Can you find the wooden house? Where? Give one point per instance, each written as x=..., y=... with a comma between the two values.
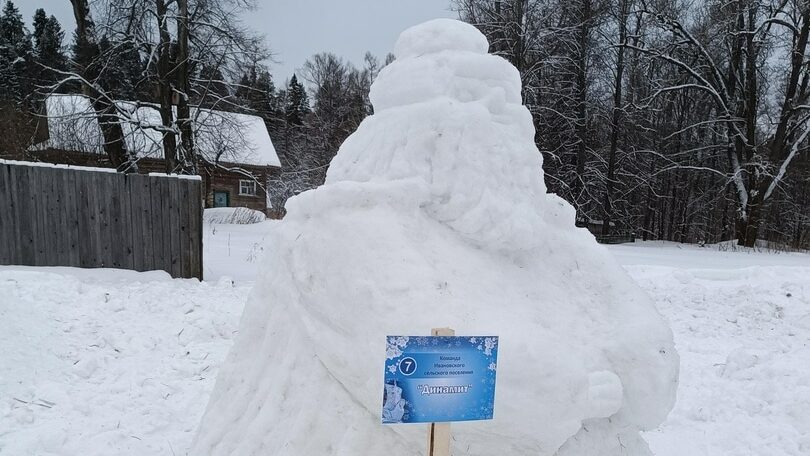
x=236, y=157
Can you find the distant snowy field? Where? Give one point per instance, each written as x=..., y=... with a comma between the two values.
x=108, y=362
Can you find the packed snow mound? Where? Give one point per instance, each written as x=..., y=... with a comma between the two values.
x=434, y=213
x=440, y=35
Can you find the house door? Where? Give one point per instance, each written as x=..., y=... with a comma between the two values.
x=221, y=199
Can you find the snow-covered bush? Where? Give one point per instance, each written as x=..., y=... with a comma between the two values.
x=434, y=213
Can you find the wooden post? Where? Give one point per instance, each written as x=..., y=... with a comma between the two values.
x=439, y=433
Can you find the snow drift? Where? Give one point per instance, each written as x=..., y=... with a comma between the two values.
x=233, y=216
x=434, y=213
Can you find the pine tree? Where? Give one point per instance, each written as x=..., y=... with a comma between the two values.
x=213, y=81
x=15, y=82
x=245, y=85
x=123, y=74
x=15, y=52
x=13, y=35
x=265, y=97
x=297, y=106
x=48, y=36
x=40, y=22
x=257, y=92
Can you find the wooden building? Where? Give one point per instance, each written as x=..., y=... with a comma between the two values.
x=236, y=157
x=616, y=236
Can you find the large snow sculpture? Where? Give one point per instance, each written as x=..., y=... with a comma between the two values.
x=434, y=213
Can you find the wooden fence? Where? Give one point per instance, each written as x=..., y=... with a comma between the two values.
x=57, y=216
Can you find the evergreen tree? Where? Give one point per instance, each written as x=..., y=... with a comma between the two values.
x=48, y=36
x=258, y=93
x=296, y=108
x=123, y=69
x=265, y=98
x=40, y=22
x=13, y=35
x=15, y=83
x=213, y=82
x=15, y=50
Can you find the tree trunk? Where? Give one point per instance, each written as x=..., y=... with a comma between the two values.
x=88, y=51
x=616, y=119
x=748, y=228
x=582, y=91
x=187, y=153
x=165, y=89
x=672, y=209
x=648, y=212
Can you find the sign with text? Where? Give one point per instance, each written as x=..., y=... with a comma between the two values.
x=432, y=379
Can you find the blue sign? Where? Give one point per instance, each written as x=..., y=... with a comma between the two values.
x=432, y=379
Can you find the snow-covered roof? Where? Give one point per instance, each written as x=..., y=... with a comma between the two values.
x=91, y=168
x=220, y=136
x=58, y=166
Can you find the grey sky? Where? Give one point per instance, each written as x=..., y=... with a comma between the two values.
x=297, y=29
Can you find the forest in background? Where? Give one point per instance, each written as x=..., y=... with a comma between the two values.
x=671, y=120
x=676, y=120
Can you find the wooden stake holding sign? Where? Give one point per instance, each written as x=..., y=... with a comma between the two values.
x=439, y=379
x=439, y=433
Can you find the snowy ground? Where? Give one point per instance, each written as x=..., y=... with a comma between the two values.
x=105, y=362
x=742, y=327
x=108, y=362
x=233, y=252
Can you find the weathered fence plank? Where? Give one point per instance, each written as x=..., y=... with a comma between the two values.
x=52, y=216
x=195, y=217
x=26, y=212
x=105, y=255
x=157, y=226
x=6, y=212
x=145, y=201
x=139, y=220
x=85, y=212
x=46, y=244
x=71, y=207
x=60, y=224
x=14, y=197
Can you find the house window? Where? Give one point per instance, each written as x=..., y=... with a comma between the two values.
x=247, y=187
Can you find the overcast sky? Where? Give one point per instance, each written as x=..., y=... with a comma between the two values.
x=297, y=29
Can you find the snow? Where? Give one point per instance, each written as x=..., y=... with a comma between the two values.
x=233, y=215
x=738, y=315
x=54, y=165
x=98, y=362
x=92, y=168
x=743, y=335
x=178, y=176
x=434, y=213
x=742, y=326
x=711, y=257
x=221, y=136
x=101, y=362
x=438, y=36
x=232, y=252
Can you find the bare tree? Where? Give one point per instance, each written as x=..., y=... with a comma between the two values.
x=90, y=68
x=762, y=139
x=661, y=117
x=193, y=52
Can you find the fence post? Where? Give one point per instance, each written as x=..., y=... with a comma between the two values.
x=439, y=433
